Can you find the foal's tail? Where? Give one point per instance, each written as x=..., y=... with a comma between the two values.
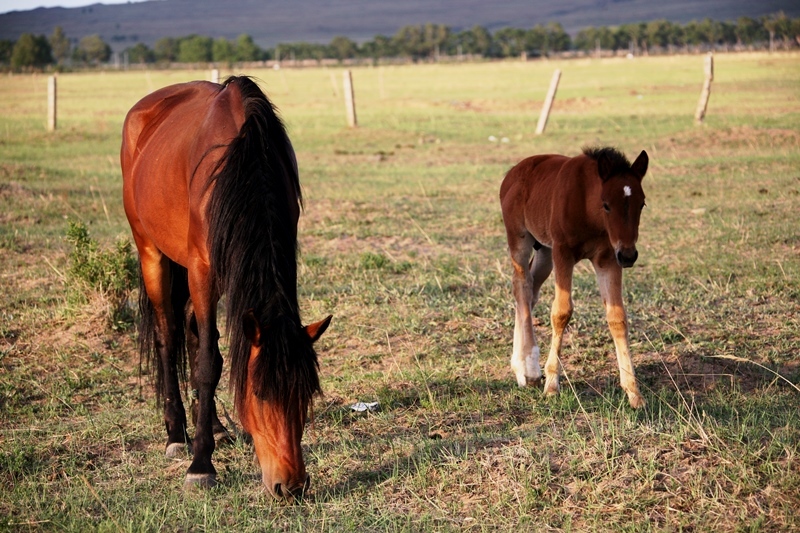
x=148, y=353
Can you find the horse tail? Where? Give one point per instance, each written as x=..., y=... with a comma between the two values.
x=148, y=355
x=252, y=237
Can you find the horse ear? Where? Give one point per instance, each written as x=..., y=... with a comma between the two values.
x=315, y=330
x=252, y=329
x=639, y=167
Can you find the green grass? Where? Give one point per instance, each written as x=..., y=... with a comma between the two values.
x=402, y=241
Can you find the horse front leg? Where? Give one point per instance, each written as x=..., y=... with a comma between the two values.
x=609, y=280
x=560, y=315
x=525, y=354
x=205, y=377
x=193, y=349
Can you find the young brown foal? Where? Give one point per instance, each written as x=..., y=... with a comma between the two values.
x=569, y=209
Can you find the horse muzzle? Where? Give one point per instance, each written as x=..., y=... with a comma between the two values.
x=627, y=257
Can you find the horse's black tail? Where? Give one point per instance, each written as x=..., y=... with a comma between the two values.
x=148, y=353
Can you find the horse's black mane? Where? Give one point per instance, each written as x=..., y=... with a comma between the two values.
x=614, y=160
x=253, y=248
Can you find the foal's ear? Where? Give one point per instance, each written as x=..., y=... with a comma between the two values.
x=315, y=330
x=252, y=329
x=639, y=167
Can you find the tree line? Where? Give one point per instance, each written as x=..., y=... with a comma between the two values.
x=417, y=42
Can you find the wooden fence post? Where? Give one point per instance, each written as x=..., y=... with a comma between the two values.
x=548, y=102
x=702, y=105
x=215, y=75
x=51, y=103
x=349, y=99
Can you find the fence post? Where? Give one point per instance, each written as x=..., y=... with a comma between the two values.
x=702, y=105
x=51, y=103
x=548, y=102
x=215, y=75
x=349, y=99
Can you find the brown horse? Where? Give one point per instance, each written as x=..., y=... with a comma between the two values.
x=212, y=195
x=569, y=209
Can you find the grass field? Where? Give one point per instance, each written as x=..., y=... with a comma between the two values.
x=402, y=242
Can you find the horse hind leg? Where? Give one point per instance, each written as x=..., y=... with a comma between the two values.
x=525, y=354
x=158, y=315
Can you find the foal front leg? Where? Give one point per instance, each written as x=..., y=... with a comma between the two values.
x=609, y=280
x=560, y=315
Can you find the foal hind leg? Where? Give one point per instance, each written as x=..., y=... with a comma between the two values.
x=525, y=355
x=609, y=280
x=560, y=315
x=192, y=347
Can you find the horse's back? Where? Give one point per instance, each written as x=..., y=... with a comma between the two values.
x=167, y=139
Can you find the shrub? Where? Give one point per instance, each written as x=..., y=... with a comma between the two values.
x=107, y=275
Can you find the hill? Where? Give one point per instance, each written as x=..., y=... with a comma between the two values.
x=271, y=22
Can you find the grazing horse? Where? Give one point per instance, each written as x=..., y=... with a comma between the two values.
x=569, y=209
x=212, y=195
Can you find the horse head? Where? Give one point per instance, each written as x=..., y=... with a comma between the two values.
x=623, y=200
x=282, y=379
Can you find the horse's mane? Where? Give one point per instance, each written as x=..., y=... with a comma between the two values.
x=253, y=250
x=614, y=160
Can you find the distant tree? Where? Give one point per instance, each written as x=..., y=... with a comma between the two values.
x=195, y=49
x=558, y=39
x=380, y=46
x=246, y=49
x=166, y=49
x=343, y=48
x=658, y=33
x=31, y=51
x=509, y=42
x=590, y=38
x=6, y=47
x=749, y=31
x=223, y=51
x=536, y=40
x=140, y=53
x=476, y=40
x=92, y=49
x=59, y=45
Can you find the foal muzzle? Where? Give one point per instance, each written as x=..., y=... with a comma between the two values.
x=626, y=258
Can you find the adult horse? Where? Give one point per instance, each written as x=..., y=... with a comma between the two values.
x=569, y=209
x=212, y=195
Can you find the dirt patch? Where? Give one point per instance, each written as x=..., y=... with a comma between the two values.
x=737, y=137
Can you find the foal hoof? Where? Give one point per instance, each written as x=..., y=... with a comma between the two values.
x=200, y=481
x=551, y=387
x=636, y=400
x=176, y=450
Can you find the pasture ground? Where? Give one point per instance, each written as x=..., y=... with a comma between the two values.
x=402, y=242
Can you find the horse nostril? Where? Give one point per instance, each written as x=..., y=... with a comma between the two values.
x=277, y=490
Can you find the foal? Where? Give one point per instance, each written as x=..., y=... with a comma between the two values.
x=568, y=209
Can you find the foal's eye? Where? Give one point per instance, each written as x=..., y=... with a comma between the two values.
x=606, y=208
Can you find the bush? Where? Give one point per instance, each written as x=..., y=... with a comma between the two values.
x=108, y=275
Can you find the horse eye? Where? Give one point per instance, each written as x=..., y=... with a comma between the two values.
x=606, y=208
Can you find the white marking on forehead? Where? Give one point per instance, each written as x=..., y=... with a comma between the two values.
x=626, y=190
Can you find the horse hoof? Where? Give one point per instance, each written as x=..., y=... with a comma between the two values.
x=176, y=450
x=636, y=400
x=200, y=481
